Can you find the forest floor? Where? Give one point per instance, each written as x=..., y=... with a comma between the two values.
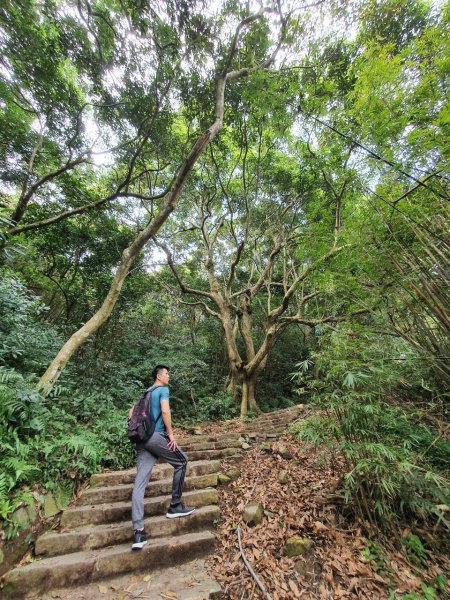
x=299, y=499
x=298, y=496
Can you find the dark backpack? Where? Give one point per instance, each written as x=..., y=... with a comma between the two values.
x=141, y=424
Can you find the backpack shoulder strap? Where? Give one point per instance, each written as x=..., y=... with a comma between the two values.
x=149, y=397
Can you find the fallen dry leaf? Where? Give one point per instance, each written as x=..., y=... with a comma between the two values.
x=335, y=566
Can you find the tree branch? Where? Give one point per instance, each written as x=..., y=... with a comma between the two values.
x=277, y=312
x=25, y=198
x=204, y=306
x=183, y=287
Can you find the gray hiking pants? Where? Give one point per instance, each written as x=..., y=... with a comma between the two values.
x=147, y=455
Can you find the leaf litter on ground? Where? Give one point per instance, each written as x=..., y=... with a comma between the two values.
x=299, y=505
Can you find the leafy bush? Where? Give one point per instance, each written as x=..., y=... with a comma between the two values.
x=58, y=440
x=395, y=464
x=44, y=441
x=27, y=342
x=218, y=407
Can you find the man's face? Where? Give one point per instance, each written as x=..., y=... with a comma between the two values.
x=163, y=377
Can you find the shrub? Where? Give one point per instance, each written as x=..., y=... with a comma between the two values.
x=218, y=407
x=395, y=464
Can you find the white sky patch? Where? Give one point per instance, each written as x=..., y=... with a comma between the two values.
x=36, y=126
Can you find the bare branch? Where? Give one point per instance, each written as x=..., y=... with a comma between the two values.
x=237, y=34
x=234, y=264
x=206, y=308
x=183, y=287
x=25, y=198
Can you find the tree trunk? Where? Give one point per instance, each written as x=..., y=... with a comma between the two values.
x=232, y=385
x=248, y=401
x=56, y=367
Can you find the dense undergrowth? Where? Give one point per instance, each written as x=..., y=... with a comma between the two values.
x=60, y=439
x=378, y=406
x=386, y=419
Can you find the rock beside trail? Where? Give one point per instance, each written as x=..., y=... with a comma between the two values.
x=297, y=546
x=253, y=513
x=283, y=477
x=284, y=452
x=223, y=479
x=233, y=473
x=50, y=506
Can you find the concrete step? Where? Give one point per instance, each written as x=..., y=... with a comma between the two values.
x=187, y=581
x=122, y=493
x=160, y=471
x=227, y=440
x=81, y=567
x=262, y=433
x=264, y=422
x=213, y=454
x=219, y=444
x=81, y=516
x=214, y=445
x=65, y=542
x=224, y=438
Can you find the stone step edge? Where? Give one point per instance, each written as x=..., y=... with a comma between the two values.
x=255, y=432
x=112, y=512
x=158, y=470
x=190, y=482
x=188, y=582
x=281, y=412
x=204, y=517
x=198, y=444
x=82, y=567
x=206, y=456
x=127, y=504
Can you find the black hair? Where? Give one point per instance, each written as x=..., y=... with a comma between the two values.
x=158, y=370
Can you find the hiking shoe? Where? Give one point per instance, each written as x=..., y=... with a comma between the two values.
x=139, y=540
x=179, y=510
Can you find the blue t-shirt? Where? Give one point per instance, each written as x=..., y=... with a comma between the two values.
x=160, y=392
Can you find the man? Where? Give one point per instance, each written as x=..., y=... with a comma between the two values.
x=162, y=445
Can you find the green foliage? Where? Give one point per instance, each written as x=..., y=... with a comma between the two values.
x=27, y=342
x=218, y=407
x=415, y=549
x=395, y=463
x=60, y=439
x=379, y=560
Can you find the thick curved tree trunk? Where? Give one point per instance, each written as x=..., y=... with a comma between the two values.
x=76, y=340
x=232, y=385
x=56, y=367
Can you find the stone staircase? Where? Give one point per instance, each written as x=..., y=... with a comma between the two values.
x=94, y=539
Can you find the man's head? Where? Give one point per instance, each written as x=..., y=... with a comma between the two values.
x=160, y=374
